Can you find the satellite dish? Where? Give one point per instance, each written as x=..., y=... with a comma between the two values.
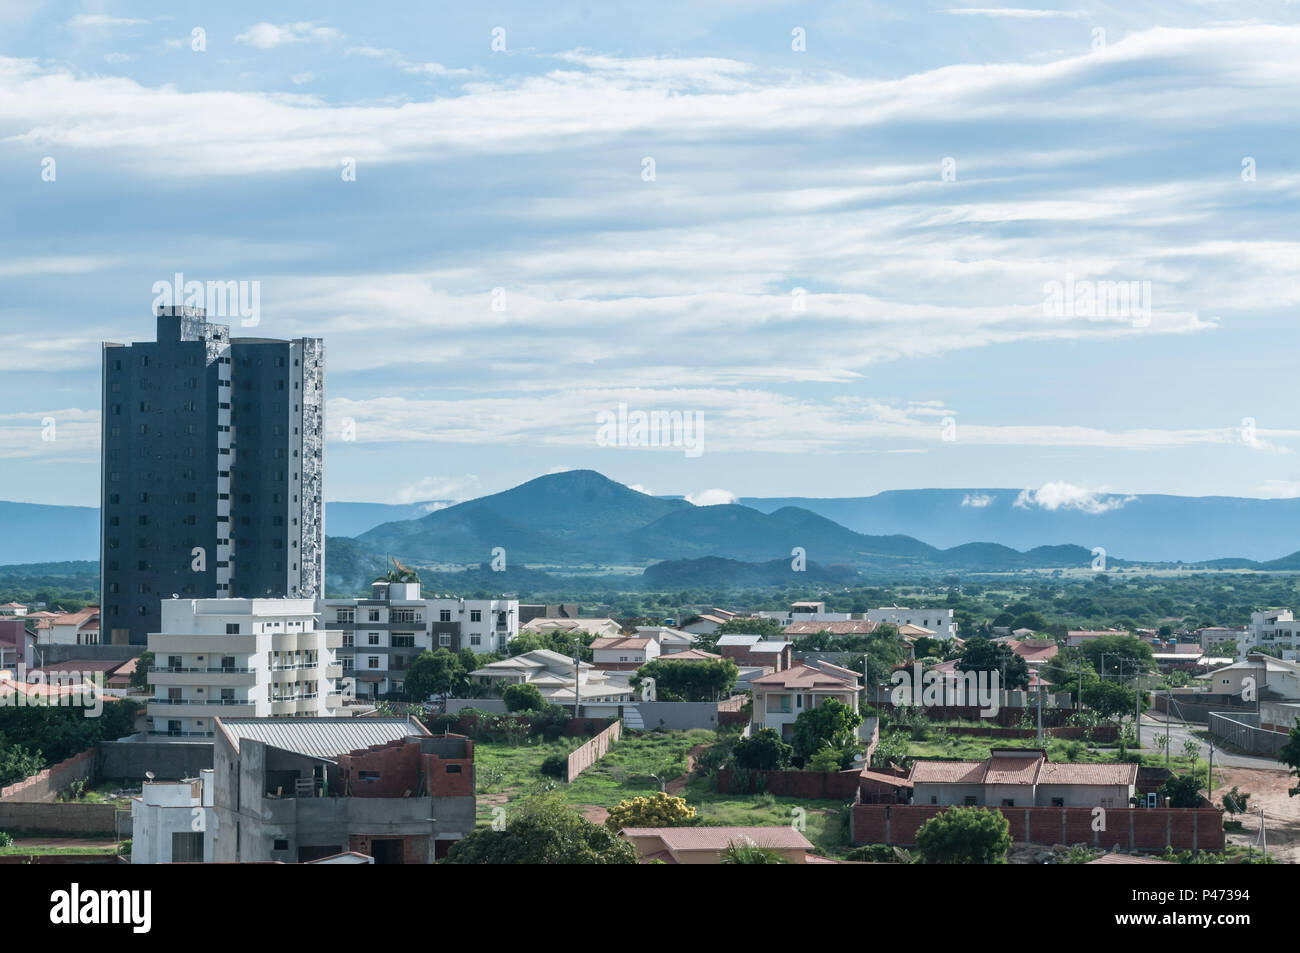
x=149, y=775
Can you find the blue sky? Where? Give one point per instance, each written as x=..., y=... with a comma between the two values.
x=1090, y=143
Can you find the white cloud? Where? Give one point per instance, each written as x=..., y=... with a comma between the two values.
x=439, y=488
x=977, y=500
x=641, y=489
x=714, y=497
x=102, y=21
x=1020, y=13
x=266, y=36
x=1067, y=496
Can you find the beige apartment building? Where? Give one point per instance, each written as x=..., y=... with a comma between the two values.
x=239, y=658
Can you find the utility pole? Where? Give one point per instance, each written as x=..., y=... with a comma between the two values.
x=1209, y=778
x=577, y=686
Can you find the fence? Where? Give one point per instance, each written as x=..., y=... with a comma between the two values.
x=47, y=784
x=1127, y=828
x=823, y=785
x=582, y=758
x=1241, y=729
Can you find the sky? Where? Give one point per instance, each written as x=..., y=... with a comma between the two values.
x=852, y=247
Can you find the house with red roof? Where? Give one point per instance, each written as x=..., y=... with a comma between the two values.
x=624, y=653
x=1022, y=777
x=781, y=697
x=705, y=845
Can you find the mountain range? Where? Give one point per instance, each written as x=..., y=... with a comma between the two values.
x=580, y=518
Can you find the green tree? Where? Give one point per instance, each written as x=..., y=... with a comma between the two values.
x=831, y=723
x=17, y=763
x=657, y=810
x=1182, y=790
x=434, y=673
x=523, y=697
x=981, y=655
x=1290, y=756
x=140, y=677
x=762, y=751
x=543, y=829
x=964, y=835
x=705, y=680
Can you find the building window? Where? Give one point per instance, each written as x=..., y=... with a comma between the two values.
x=475, y=615
x=232, y=628
x=444, y=615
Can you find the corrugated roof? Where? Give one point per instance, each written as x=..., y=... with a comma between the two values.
x=325, y=738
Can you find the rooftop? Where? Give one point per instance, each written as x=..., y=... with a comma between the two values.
x=324, y=738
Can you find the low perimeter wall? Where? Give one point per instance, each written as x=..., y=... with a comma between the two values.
x=823, y=785
x=46, y=785
x=1242, y=731
x=75, y=818
x=1127, y=828
x=582, y=758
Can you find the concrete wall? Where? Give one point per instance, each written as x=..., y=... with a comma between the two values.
x=75, y=818
x=1241, y=729
x=678, y=716
x=1128, y=828
x=129, y=760
x=46, y=785
x=1196, y=707
x=582, y=758
x=482, y=704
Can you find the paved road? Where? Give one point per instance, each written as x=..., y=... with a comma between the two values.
x=1180, y=732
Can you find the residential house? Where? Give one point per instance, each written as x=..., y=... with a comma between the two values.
x=17, y=644
x=670, y=640
x=71, y=628
x=1076, y=637
x=10, y=609
x=300, y=789
x=782, y=696
x=842, y=627
x=1274, y=679
x=709, y=622
x=705, y=845
x=173, y=822
x=552, y=673
x=1212, y=635
x=1272, y=628
x=754, y=650
x=939, y=620
x=623, y=653
x=1022, y=777
x=592, y=627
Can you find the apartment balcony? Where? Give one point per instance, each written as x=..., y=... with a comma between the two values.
x=201, y=708
x=203, y=677
x=334, y=700
x=334, y=671
x=333, y=639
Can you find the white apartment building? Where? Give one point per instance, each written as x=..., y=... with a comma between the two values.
x=250, y=658
x=940, y=621
x=172, y=821
x=379, y=637
x=1275, y=628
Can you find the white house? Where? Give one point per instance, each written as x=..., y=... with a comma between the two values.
x=1257, y=672
x=671, y=641
x=940, y=620
x=1273, y=628
x=239, y=658
x=173, y=822
x=552, y=673
x=71, y=628
x=594, y=627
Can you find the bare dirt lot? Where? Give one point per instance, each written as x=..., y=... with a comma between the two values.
x=1267, y=790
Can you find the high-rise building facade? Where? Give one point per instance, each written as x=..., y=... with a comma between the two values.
x=212, y=461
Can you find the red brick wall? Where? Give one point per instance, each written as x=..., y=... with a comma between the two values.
x=415, y=848
x=400, y=764
x=1128, y=828
x=825, y=785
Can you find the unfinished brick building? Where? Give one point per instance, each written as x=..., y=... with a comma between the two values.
x=299, y=789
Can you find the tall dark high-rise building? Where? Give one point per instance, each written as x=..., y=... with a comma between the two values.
x=212, y=463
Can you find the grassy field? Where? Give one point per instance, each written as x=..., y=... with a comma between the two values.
x=637, y=765
x=975, y=748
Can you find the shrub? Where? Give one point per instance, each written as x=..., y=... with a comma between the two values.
x=965, y=835
x=827, y=759
x=762, y=751
x=658, y=810
x=555, y=766
x=524, y=697
x=6, y=839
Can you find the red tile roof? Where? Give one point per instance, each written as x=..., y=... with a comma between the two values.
x=1003, y=768
x=804, y=676
x=619, y=642
x=718, y=838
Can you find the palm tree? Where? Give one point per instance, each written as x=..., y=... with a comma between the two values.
x=747, y=852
